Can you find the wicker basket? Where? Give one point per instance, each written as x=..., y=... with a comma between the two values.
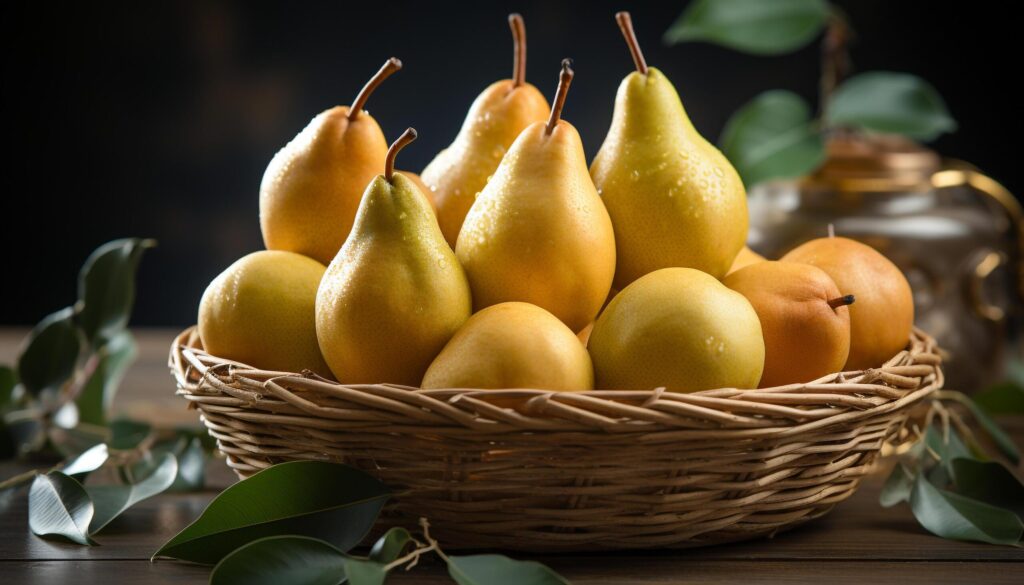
x=572, y=471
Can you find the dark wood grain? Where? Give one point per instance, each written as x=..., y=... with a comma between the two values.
x=859, y=542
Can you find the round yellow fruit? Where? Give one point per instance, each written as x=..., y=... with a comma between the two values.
x=680, y=329
x=260, y=311
x=512, y=345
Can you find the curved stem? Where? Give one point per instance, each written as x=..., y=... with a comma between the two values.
x=515, y=21
x=389, y=163
x=389, y=67
x=626, y=26
x=563, y=88
x=841, y=301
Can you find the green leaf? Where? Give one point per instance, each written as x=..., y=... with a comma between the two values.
x=191, y=463
x=281, y=559
x=127, y=434
x=49, y=358
x=992, y=428
x=500, y=570
x=957, y=517
x=1003, y=398
x=96, y=397
x=890, y=102
x=772, y=136
x=87, y=462
x=390, y=546
x=989, y=482
x=752, y=26
x=111, y=500
x=897, y=487
x=8, y=381
x=329, y=501
x=59, y=506
x=364, y=572
x=106, y=288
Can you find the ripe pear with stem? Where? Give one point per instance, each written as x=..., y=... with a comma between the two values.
x=395, y=294
x=312, y=187
x=538, y=232
x=494, y=121
x=674, y=199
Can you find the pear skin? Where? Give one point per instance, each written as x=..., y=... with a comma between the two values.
x=674, y=199
x=311, y=190
x=395, y=294
x=496, y=118
x=538, y=232
x=745, y=258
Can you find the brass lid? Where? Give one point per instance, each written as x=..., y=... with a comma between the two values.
x=875, y=162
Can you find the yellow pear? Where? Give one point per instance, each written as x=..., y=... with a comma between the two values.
x=883, y=316
x=539, y=233
x=312, y=187
x=422, y=187
x=804, y=318
x=495, y=119
x=395, y=294
x=680, y=329
x=260, y=311
x=673, y=197
x=512, y=345
x=745, y=258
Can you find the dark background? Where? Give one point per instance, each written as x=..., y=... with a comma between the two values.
x=158, y=120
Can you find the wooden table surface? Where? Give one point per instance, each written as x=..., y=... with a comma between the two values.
x=859, y=542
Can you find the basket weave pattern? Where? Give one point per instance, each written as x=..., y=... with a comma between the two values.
x=537, y=470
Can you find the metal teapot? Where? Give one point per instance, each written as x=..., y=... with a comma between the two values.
x=955, y=233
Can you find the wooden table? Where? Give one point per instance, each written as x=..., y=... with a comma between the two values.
x=859, y=542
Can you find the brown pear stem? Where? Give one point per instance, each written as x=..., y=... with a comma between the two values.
x=515, y=20
x=563, y=89
x=389, y=67
x=841, y=301
x=626, y=25
x=389, y=162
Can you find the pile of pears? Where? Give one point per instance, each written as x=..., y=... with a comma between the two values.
x=509, y=263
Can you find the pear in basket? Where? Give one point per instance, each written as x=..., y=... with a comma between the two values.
x=805, y=319
x=260, y=311
x=680, y=329
x=512, y=345
x=395, y=294
x=883, y=316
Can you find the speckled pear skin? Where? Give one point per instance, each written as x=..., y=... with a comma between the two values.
x=674, y=199
x=458, y=173
x=312, y=187
x=538, y=232
x=395, y=294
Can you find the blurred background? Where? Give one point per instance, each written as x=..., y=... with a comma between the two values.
x=157, y=119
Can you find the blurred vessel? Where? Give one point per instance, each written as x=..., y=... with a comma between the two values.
x=955, y=233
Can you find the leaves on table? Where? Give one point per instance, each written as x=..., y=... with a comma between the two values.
x=329, y=501
x=191, y=456
x=885, y=101
x=989, y=482
x=110, y=501
x=106, y=288
x=51, y=353
x=390, y=546
x=897, y=487
x=752, y=26
x=98, y=393
x=951, y=515
x=59, y=506
x=89, y=461
x=364, y=571
x=500, y=570
x=281, y=559
x=127, y=434
x=1002, y=398
x=1003, y=441
x=772, y=137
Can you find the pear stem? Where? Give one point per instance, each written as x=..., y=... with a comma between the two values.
x=626, y=25
x=389, y=67
x=515, y=21
x=564, y=80
x=841, y=301
x=389, y=163
x=831, y=230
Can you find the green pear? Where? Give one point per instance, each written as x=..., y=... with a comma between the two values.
x=395, y=294
x=674, y=199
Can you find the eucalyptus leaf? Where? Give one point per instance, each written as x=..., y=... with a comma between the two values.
x=127, y=434
x=8, y=382
x=1003, y=398
x=59, y=506
x=897, y=487
x=390, y=546
x=281, y=559
x=106, y=288
x=947, y=447
x=191, y=458
x=958, y=517
x=89, y=461
x=884, y=101
x=989, y=482
x=364, y=572
x=992, y=428
x=773, y=136
x=111, y=500
x=329, y=501
x=51, y=353
x=500, y=570
x=752, y=26
x=98, y=393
